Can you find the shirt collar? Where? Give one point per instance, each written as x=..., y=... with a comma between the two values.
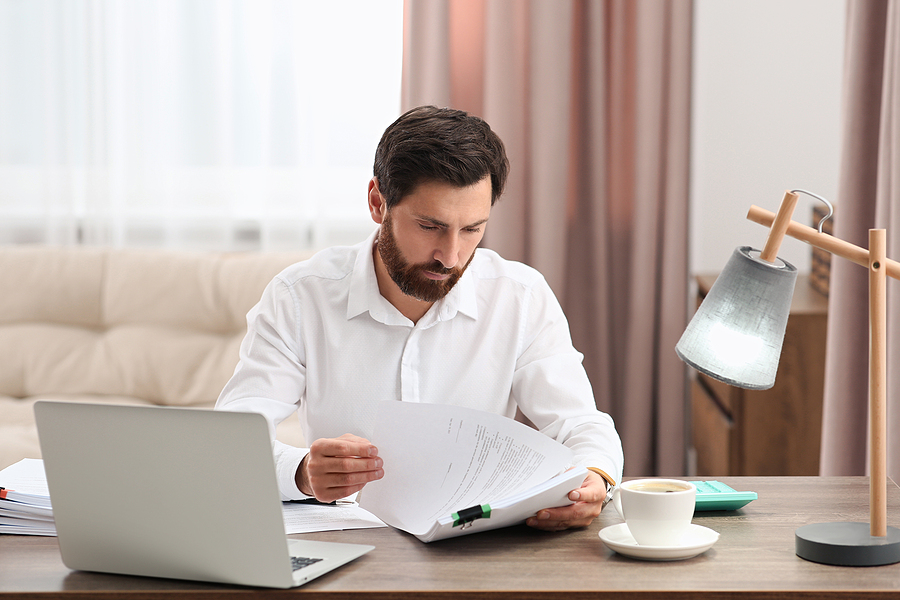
x=365, y=297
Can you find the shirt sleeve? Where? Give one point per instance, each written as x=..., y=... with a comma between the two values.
x=552, y=389
x=270, y=377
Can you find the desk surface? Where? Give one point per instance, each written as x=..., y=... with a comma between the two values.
x=754, y=558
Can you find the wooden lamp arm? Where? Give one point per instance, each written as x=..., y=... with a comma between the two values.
x=779, y=227
x=824, y=241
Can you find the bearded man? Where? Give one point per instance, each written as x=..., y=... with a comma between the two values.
x=419, y=313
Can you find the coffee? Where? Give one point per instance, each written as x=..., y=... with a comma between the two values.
x=658, y=487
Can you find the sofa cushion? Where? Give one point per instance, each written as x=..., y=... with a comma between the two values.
x=161, y=326
x=99, y=324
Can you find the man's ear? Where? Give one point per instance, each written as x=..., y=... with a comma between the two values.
x=377, y=203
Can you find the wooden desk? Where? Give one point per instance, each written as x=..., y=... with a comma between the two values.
x=754, y=558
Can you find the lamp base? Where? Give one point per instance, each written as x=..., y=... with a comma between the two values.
x=847, y=544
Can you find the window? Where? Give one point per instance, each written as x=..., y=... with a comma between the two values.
x=193, y=123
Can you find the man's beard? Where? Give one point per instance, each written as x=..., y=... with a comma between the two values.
x=411, y=278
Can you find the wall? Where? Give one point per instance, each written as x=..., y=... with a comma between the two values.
x=766, y=118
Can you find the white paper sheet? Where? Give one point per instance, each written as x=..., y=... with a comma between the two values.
x=439, y=459
x=27, y=477
x=309, y=518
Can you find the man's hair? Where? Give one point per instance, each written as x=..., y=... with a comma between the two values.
x=438, y=144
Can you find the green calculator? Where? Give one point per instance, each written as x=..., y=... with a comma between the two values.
x=715, y=495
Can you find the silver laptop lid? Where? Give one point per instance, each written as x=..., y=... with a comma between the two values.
x=164, y=492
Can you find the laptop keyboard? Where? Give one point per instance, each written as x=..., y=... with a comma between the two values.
x=298, y=562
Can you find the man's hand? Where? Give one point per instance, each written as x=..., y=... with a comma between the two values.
x=338, y=467
x=588, y=502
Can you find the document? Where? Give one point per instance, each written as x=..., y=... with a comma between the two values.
x=25, y=500
x=452, y=471
x=25, y=481
x=308, y=518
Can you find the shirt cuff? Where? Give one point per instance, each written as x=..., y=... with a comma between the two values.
x=287, y=461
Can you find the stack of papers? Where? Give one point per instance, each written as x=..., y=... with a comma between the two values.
x=25, y=500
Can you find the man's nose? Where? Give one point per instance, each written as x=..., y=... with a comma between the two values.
x=448, y=251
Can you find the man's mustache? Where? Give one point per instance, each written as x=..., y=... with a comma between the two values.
x=439, y=269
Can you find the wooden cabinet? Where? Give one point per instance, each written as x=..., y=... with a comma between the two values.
x=768, y=432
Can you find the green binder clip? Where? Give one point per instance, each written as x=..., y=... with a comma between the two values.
x=466, y=517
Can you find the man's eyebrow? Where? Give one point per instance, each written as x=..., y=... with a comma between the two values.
x=439, y=223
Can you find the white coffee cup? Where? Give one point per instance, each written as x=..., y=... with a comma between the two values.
x=658, y=512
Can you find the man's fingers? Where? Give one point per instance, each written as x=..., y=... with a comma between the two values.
x=549, y=521
x=345, y=464
x=343, y=446
x=358, y=446
x=332, y=487
x=345, y=471
x=574, y=513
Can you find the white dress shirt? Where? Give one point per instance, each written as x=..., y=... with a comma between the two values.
x=324, y=342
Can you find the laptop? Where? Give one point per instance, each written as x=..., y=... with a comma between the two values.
x=173, y=492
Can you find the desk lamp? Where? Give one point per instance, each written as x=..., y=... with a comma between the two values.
x=736, y=337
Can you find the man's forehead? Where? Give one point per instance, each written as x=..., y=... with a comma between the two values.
x=447, y=204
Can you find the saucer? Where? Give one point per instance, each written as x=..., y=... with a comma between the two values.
x=697, y=540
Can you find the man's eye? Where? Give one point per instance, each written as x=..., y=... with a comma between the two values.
x=473, y=229
x=427, y=227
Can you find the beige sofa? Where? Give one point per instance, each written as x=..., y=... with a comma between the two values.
x=121, y=326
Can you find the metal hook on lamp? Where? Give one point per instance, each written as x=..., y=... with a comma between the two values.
x=826, y=202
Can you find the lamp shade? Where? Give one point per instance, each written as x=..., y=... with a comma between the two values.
x=737, y=333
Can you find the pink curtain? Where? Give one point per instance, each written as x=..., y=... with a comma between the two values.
x=869, y=197
x=592, y=99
